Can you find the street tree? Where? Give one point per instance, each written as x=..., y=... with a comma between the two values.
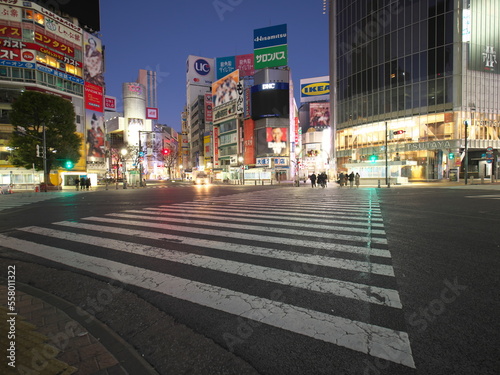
x=37, y=117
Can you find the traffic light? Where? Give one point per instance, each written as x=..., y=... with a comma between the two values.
x=451, y=156
x=166, y=151
x=38, y=151
x=398, y=132
x=373, y=158
x=68, y=164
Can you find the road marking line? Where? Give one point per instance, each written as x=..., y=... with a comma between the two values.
x=212, y=212
x=246, y=236
x=370, y=339
x=366, y=293
x=301, y=233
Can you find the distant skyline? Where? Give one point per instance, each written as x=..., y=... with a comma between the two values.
x=159, y=36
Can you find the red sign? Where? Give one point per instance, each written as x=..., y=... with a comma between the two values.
x=110, y=103
x=10, y=32
x=248, y=142
x=216, y=147
x=244, y=63
x=94, y=97
x=152, y=113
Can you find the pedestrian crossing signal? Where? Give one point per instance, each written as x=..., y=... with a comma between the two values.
x=166, y=151
x=68, y=164
x=373, y=158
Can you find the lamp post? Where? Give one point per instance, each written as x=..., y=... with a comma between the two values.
x=124, y=152
x=242, y=166
x=387, y=178
x=466, y=148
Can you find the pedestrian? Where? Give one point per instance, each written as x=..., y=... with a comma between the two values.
x=87, y=183
x=341, y=179
x=82, y=183
x=357, y=177
x=313, y=180
x=77, y=183
x=351, y=179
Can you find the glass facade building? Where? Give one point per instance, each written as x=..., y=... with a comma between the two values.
x=411, y=76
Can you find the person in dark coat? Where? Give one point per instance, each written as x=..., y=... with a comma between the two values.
x=82, y=183
x=313, y=180
x=87, y=183
x=77, y=183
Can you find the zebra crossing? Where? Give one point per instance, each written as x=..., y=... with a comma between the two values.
x=266, y=238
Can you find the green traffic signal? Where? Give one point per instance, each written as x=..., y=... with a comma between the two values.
x=373, y=158
x=68, y=164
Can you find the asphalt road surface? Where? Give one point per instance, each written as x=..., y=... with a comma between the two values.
x=286, y=280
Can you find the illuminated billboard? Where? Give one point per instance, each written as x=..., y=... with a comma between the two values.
x=270, y=47
x=314, y=89
x=200, y=70
x=483, y=34
x=272, y=141
x=226, y=65
x=270, y=100
x=93, y=60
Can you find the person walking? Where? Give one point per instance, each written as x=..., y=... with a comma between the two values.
x=87, y=183
x=357, y=177
x=77, y=183
x=313, y=180
x=351, y=180
x=82, y=183
x=341, y=179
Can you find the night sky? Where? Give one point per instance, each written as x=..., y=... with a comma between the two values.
x=159, y=35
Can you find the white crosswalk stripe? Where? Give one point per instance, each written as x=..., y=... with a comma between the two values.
x=331, y=235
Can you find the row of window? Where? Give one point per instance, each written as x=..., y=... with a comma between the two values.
x=33, y=76
x=435, y=63
x=418, y=95
x=366, y=52
x=393, y=15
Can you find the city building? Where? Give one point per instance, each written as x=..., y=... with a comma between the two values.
x=53, y=49
x=417, y=88
x=314, y=155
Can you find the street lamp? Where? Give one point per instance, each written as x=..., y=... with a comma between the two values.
x=124, y=152
x=242, y=166
x=466, y=152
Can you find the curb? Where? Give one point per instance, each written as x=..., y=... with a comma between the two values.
x=127, y=356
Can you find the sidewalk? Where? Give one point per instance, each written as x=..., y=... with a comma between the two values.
x=52, y=336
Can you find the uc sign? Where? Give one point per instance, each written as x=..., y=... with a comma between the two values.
x=202, y=67
x=318, y=88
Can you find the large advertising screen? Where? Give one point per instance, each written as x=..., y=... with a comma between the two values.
x=484, y=36
x=270, y=100
x=272, y=141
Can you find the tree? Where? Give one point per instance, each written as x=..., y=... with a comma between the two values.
x=32, y=114
x=170, y=159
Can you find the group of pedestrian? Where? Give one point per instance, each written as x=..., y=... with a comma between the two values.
x=82, y=183
x=349, y=179
x=321, y=179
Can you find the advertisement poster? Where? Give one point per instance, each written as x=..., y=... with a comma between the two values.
x=95, y=134
x=272, y=141
x=319, y=115
x=225, y=90
x=93, y=60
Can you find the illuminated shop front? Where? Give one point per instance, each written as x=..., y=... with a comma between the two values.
x=411, y=78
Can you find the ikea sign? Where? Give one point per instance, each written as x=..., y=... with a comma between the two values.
x=315, y=89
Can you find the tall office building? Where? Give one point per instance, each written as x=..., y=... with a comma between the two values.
x=417, y=83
